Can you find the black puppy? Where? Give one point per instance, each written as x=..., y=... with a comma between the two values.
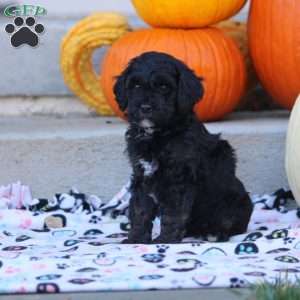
x=180, y=171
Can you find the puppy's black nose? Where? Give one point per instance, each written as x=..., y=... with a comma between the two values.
x=146, y=109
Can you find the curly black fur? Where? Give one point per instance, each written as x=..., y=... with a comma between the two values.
x=180, y=170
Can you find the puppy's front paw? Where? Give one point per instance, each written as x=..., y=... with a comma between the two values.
x=221, y=237
x=127, y=241
x=166, y=240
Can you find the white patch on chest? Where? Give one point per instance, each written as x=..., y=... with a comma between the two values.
x=149, y=167
x=153, y=198
x=147, y=125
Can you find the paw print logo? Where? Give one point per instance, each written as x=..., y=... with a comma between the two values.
x=24, y=32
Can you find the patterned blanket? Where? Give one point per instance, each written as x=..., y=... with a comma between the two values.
x=71, y=243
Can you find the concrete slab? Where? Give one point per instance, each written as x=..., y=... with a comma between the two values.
x=195, y=294
x=43, y=106
x=52, y=154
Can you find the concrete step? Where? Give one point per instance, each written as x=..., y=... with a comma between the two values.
x=52, y=154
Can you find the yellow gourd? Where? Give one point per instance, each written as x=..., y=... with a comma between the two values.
x=292, y=157
x=95, y=31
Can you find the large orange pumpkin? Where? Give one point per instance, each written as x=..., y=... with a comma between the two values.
x=186, y=14
x=274, y=37
x=209, y=52
x=238, y=32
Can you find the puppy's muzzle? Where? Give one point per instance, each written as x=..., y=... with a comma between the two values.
x=145, y=110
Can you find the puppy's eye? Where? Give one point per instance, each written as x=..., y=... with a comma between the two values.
x=163, y=86
x=137, y=86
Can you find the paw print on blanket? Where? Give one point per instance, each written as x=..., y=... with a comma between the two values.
x=162, y=248
x=24, y=32
x=246, y=248
x=237, y=283
x=95, y=219
x=153, y=258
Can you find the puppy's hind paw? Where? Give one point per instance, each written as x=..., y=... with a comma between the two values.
x=135, y=241
x=216, y=238
x=211, y=238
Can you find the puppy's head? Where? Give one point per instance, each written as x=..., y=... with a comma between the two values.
x=155, y=89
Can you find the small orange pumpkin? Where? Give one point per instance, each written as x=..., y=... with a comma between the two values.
x=209, y=52
x=186, y=14
x=274, y=40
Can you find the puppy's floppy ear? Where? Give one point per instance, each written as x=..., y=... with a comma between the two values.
x=120, y=90
x=190, y=89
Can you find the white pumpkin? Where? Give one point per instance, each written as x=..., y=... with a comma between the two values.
x=292, y=156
